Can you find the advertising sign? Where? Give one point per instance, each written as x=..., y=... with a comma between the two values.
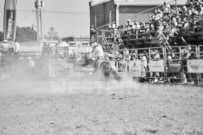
x=10, y=19
x=174, y=66
x=195, y=66
x=135, y=68
x=156, y=66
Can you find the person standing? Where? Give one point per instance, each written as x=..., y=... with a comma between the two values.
x=5, y=48
x=186, y=54
x=92, y=34
x=31, y=63
x=143, y=59
x=17, y=47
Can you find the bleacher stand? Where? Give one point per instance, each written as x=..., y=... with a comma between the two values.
x=170, y=26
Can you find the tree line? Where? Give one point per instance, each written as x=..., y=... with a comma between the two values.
x=24, y=34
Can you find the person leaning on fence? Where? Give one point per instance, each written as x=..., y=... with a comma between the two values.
x=143, y=59
x=157, y=55
x=133, y=55
x=1, y=67
x=186, y=54
x=193, y=77
x=92, y=33
x=151, y=54
x=126, y=54
x=30, y=65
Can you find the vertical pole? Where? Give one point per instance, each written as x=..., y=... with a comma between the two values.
x=117, y=14
x=37, y=17
x=165, y=63
x=40, y=24
x=176, y=6
x=38, y=5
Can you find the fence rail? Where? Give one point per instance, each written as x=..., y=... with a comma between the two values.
x=173, y=69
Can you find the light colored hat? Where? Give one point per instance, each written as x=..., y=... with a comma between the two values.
x=189, y=47
x=156, y=51
x=109, y=26
x=5, y=41
x=113, y=25
x=94, y=44
x=128, y=20
x=29, y=58
x=141, y=54
x=21, y=58
x=169, y=57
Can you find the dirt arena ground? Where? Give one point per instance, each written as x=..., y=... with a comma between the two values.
x=33, y=109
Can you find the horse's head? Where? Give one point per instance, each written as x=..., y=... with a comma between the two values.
x=105, y=67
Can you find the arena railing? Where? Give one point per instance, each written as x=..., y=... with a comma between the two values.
x=175, y=70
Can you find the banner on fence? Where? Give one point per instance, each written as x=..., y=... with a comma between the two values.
x=58, y=86
x=195, y=66
x=174, y=66
x=156, y=66
x=122, y=66
x=9, y=23
x=135, y=68
x=57, y=65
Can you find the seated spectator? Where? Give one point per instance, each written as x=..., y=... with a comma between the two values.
x=126, y=54
x=174, y=21
x=134, y=55
x=152, y=54
x=169, y=58
x=133, y=27
x=129, y=27
x=157, y=55
x=173, y=32
x=121, y=29
x=185, y=24
x=166, y=9
x=184, y=9
x=186, y=52
x=137, y=26
x=159, y=13
x=201, y=10
x=114, y=26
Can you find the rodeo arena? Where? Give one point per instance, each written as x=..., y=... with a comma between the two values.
x=140, y=72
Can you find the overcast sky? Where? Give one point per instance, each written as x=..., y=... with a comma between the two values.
x=73, y=22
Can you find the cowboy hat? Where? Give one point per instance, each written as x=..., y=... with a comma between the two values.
x=5, y=41
x=94, y=44
x=29, y=58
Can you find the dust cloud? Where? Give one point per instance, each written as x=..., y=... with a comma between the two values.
x=25, y=82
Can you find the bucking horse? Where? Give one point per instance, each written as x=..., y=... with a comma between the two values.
x=103, y=67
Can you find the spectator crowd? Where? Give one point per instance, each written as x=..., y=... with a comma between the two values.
x=167, y=20
x=166, y=24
